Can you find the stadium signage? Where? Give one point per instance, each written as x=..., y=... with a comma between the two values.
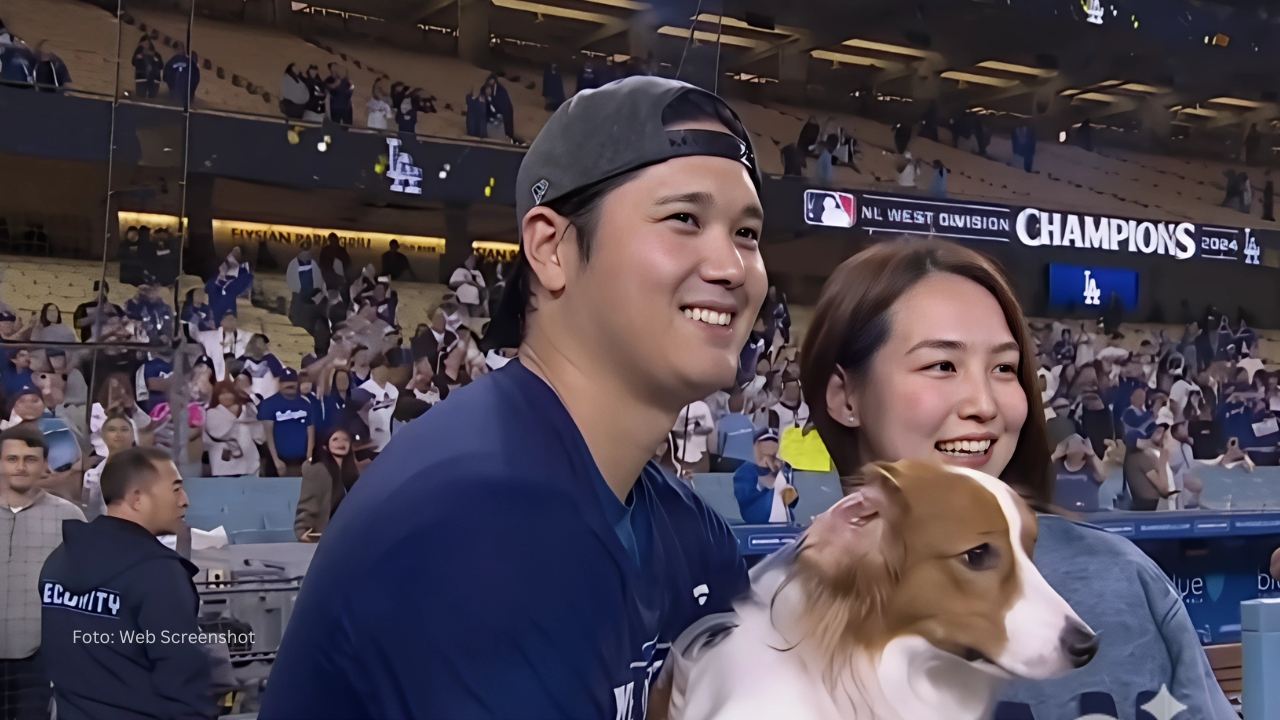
x=495, y=251
x=1037, y=228
x=405, y=177
x=915, y=216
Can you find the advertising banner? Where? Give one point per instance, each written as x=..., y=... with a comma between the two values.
x=1031, y=228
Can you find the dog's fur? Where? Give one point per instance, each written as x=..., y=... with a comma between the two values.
x=913, y=598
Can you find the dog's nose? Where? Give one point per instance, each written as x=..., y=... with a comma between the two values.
x=1079, y=643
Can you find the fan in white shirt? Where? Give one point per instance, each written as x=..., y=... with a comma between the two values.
x=692, y=427
x=468, y=284
x=380, y=409
x=228, y=341
x=790, y=411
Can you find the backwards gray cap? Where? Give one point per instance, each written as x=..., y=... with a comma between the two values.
x=598, y=135
x=602, y=133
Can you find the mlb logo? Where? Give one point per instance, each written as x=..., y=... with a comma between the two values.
x=829, y=208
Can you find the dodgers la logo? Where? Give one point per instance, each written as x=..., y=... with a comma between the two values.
x=1092, y=295
x=1252, y=251
x=1095, y=11
x=405, y=177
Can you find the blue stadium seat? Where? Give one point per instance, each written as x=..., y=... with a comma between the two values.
x=818, y=491
x=717, y=490
x=243, y=503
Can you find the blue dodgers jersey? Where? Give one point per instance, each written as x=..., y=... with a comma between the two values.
x=474, y=572
x=292, y=417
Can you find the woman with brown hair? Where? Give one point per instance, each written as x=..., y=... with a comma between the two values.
x=919, y=350
x=232, y=432
x=326, y=480
x=115, y=394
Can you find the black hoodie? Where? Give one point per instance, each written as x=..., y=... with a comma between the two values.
x=110, y=579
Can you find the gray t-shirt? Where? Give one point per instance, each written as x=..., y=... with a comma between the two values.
x=1146, y=638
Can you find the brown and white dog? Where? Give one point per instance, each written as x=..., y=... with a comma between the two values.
x=913, y=598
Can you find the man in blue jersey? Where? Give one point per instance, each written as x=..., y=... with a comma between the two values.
x=514, y=553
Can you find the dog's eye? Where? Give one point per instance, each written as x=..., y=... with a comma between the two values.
x=982, y=557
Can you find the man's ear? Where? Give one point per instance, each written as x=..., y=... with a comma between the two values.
x=542, y=233
x=842, y=399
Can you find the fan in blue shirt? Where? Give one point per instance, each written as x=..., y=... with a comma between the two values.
x=16, y=374
x=515, y=553
x=156, y=374
x=290, y=425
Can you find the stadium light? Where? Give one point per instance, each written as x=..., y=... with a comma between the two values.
x=886, y=48
x=847, y=59
x=1016, y=68
x=703, y=36
x=960, y=76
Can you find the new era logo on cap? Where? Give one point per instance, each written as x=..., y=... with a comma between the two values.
x=540, y=190
x=829, y=208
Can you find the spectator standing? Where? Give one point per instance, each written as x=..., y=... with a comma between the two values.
x=17, y=65
x=264, y=369
x=182, y=75
x=334, y=263
x=1145, y=470
x=435, y=342
x=326, y=479
x=1252, y=145
x=908, y=171
x=763, y=485
x=1079, y=475
x=155, y=381
x=232, y=432
x=552, y=87
x=395, y=264
x=822, y=169
x=87, y=314
x=587, y=78
x=51, y=72
x=16, y=373
x=318, y=95
x=501, y=111
x=340, y=90
x=233, y=280
x=295, y=93
x=467, y=283
x=118, y=434
x=377, y=402
x=692, y=427
x=148, y=67
x=112, y=576
x=31, y=528
x=1084, y=135
x=1246, y=194
x=289, y=426
x=114, y=395
x=305, y=281
x=902, y=137
x=406, y=110
x=938, y=185
x=378, y=112
x=152, y=314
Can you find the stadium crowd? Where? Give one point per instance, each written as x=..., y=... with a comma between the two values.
x=1157, y=413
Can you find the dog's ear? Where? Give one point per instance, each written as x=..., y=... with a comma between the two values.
x=854, y=542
